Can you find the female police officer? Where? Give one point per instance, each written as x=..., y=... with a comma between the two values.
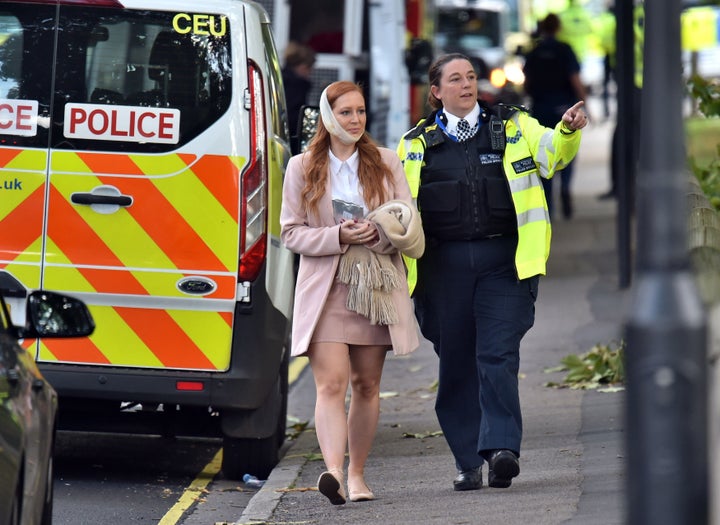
x=475, y=172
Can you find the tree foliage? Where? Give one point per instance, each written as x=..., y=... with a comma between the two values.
x=706, y=93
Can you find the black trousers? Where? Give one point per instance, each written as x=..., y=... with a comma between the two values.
x=471, y=306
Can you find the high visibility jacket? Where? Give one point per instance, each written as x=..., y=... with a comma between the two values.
x=605, y=28
x=639, y=41
x=532, y=151
x=576, y=29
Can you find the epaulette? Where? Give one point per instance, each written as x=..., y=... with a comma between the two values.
x=433, y=136
x=505, y=111
x=429, y=130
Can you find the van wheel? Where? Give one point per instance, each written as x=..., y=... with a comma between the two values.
x=258, y=456
x=249, y=456
x=284, y=390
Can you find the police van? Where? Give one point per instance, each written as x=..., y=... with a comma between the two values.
x=142, y=150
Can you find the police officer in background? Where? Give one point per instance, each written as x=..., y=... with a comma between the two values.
x=475, y=172
x=576, y=28
x=552, y=81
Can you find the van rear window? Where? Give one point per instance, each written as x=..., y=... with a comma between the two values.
x=124, y=80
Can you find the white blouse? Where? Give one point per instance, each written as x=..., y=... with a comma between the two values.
x=344, y=180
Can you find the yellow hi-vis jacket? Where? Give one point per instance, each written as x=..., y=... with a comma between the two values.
x=528, y=143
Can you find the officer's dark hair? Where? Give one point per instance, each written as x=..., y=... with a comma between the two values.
x=550, y=25
x=435, y=73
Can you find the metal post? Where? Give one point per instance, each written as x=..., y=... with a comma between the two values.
x=666, y=331
x=624, y=157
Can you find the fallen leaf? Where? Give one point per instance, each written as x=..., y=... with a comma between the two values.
x=423, y=435
x=385, y=395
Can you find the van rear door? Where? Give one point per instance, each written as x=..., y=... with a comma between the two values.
x=142, y=202
x=26, y=38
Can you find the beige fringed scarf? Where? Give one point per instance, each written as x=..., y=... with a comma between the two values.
x=371, y=277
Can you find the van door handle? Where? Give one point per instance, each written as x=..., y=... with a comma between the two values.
x=89, y=199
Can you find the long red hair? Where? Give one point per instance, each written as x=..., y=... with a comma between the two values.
x=372, y=171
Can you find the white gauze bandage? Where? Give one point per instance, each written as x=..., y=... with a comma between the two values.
x=331, y=123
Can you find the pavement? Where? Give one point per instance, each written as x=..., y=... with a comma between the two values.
x=572, y=462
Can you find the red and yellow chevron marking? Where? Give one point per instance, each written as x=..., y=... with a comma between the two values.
x=183, y=222
x=182, y=216
x=145, y=338
x=23, y=159
x=22, y=196
x=22, y=187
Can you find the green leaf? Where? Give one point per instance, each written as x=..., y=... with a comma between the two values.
x=602, y=365
x=560, y=368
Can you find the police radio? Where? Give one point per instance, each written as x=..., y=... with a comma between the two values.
x=497, y=133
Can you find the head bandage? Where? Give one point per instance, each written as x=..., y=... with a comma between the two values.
x=331, y=123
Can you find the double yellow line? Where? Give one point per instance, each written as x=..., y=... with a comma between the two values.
x=198, y=485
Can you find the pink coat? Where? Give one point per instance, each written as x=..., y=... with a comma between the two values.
x=317, y=240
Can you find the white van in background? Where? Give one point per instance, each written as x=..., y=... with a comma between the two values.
x=142, y=150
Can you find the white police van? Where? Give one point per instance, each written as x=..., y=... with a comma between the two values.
x=142, y=150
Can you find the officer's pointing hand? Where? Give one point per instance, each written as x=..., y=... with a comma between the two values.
x=575, y=117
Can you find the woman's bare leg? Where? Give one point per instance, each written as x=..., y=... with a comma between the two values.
x=366, y=364
x=330, y=364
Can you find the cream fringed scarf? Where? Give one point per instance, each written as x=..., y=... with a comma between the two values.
x=371, y=277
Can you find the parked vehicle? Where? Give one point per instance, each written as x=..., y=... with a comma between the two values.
x=483, y=30
x=142, y=150
x=28, y=403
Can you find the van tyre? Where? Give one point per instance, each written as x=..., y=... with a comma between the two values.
x=258, y=456
x=249, y=456
x=284, y=390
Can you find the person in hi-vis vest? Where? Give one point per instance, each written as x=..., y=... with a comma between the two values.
x=475, y=171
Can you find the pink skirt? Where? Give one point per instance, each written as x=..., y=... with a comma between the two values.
x=337, y=324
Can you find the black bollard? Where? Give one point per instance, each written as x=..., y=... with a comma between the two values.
x=624, y=145
x=666, y=327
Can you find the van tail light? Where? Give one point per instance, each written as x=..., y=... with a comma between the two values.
x=254, y=182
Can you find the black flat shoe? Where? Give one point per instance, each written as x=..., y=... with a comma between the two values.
x=330, y=485
x=504, y=466
x=468, y=480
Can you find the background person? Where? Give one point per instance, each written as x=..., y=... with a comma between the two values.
x=299, y=62
x=475, y=172
x=552, y=81
x=342, y=173
x=605, y=28
x=576, y=28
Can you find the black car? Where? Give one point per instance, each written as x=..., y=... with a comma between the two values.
x=28, y=404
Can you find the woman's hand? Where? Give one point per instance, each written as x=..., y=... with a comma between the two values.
x=358, y=232
x=575, y=118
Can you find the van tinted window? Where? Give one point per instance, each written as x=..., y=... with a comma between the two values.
x=125, y=80
x=26, y=43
